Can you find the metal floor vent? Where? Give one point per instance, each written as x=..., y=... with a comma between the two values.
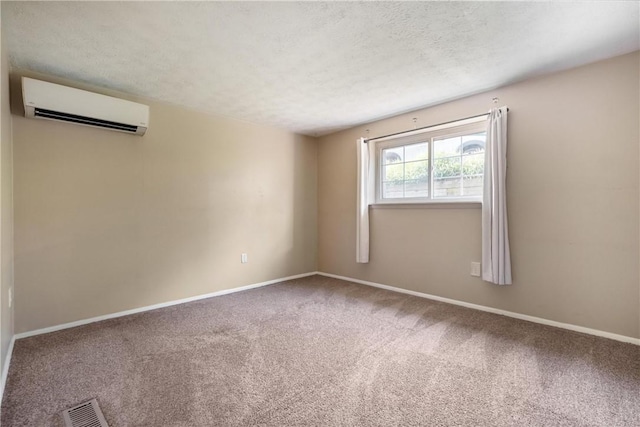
x=87, y=414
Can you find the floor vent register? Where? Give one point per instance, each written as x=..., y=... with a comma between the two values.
x=87, y=414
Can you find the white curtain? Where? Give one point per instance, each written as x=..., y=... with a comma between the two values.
x=366, y=196
x=496, y=259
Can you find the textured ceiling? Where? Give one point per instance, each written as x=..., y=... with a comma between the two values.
x=312, y=67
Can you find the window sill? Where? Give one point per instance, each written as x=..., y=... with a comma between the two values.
x=450, y=204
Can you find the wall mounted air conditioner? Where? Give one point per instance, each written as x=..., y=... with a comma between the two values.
x=50, y=101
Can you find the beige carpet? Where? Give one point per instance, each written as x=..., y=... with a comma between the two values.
x=324, y=352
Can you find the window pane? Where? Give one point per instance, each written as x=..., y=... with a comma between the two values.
x=393, y=172
x=417, y=170
x=416, y=187
x=446, y=187
x=392, y=155
x=416, y=152
x=447, y=147
x=472, y=186
x=392, y=189
x=473, y=164
x=472, y=144
x=447, y=167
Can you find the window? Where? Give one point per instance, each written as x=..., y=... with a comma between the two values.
x=438, y=164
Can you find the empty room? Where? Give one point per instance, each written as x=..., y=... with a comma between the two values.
x=320, y=213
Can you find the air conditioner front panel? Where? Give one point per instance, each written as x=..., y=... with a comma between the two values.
x=64, y=103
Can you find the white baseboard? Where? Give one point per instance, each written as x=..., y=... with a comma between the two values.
x=5, y=367
x=533, y=319
x=156, y=306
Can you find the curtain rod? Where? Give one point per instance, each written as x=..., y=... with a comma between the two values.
x=426, y=127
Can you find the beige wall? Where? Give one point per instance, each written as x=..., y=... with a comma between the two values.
x=6, y=211
x=572, y=198
x=106, y=221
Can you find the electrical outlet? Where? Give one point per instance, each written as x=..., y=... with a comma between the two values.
x=244, y=258
x=475, y=269
x=11, y=297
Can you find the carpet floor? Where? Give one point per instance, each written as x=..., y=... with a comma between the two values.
x=324, y=352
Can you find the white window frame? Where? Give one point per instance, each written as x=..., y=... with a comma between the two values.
x=459, y=128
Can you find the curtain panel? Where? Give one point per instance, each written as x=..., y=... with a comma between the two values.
x=366, y=196
x=496, y=257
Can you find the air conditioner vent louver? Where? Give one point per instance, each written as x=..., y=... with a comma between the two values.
x=50, y=101
x=86, y=414
x=48, y=114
